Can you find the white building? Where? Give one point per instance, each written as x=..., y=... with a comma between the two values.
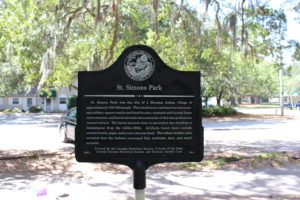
x=56, y=101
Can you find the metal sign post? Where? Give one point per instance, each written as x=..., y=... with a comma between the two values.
x=139, y=180
x=139, y=194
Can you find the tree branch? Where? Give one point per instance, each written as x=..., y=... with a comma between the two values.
x=115, y=7
x=220, y=32
x=243, y=26
x=154, y=8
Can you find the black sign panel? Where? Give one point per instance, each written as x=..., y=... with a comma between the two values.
x=139, y=109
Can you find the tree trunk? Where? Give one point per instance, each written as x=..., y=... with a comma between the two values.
x=233, y=101
x=258, y=100
x=218, y=101
x=240, y=100
x=252, y=99
x=219, y=98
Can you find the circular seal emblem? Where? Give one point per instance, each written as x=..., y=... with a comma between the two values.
x=139, y=65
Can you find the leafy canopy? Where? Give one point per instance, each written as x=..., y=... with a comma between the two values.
x=45, y=43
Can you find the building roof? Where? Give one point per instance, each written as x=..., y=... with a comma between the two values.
x=26, y=92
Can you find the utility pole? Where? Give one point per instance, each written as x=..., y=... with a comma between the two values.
x=280, y=71
x=281, y=90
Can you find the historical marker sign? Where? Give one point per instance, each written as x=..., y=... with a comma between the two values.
x=139, y=109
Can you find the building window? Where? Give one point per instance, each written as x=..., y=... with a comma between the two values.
x=15, y=101
x=62, y=100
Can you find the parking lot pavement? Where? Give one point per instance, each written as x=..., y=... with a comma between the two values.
x=270, y=111
x=26, y=132
x=253, y=136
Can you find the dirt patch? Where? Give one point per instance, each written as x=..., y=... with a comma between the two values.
x=236, y=161
x=41, y=162
x=65, y=163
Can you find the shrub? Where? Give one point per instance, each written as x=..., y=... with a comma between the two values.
x=208, y=111
x=218, y=110
x=35, y=109
x=229, y=110
x=13, y=110
x=72, y=102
